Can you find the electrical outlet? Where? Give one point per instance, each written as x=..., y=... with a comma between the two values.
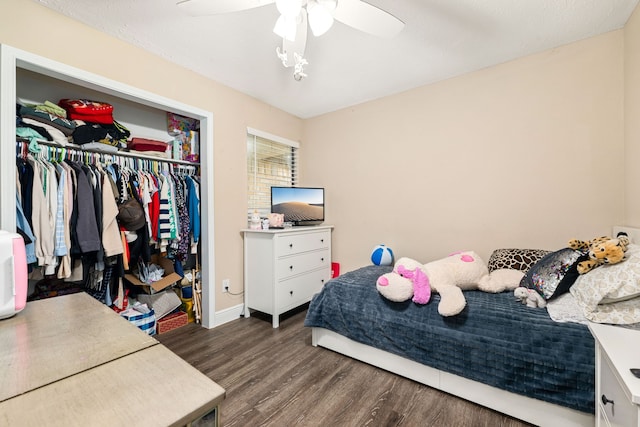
x=225, y=285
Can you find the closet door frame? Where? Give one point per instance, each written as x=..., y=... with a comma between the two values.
x=12, y=60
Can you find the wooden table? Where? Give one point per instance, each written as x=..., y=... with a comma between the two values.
x=71, y=360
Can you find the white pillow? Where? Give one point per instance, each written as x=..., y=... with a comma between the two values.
x=611, y=283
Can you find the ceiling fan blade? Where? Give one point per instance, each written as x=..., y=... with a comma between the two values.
x=368, y=18
x=215, y=7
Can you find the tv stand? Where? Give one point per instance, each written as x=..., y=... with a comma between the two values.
x=284, y=268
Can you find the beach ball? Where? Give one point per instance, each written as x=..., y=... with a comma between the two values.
x=382, y=255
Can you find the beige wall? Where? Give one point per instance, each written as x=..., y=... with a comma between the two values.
x=632, y=118
x=524, y=154
x=34, y=28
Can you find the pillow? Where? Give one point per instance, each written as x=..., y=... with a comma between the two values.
x=515, y=259
x=612, y=283
x=555, y=273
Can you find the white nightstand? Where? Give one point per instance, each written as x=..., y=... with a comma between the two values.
x=617, y=390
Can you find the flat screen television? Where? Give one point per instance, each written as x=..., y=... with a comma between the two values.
x=300, y=205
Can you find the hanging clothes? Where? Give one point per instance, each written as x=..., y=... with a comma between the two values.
x=25, y=231
x=43, y=226
x=64, y=272
x=67, y=209
x=85, y=229
x=193, y=189
x=180, y=248
x=110, y=231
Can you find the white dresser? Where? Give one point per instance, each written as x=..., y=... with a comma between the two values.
x=284, y=268
x=617, y=390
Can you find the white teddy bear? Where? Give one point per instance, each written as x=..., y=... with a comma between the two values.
x=447, y=276
x=529, y=297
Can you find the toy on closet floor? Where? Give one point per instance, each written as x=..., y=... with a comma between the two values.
x=447, y=276
x=602, y=250
x=529, y=297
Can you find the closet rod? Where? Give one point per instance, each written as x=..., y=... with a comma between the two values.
x=114, y=153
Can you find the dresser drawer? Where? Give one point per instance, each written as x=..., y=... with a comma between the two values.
x=621, y=412
x=299, y=264
x=289, y=244
x=299, y=290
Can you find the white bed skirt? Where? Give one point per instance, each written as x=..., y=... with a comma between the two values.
x=525, y=408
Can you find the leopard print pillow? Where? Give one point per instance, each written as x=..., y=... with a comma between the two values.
x=515, y=259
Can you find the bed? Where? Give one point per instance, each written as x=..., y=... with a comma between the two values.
x=497, y=352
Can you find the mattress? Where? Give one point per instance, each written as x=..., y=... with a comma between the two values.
x=495, y=340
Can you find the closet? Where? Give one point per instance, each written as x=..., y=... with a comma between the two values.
x=32, y=78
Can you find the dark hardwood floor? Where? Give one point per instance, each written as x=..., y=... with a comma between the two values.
x=275, y=377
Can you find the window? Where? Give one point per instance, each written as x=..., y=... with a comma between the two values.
x=271, y=161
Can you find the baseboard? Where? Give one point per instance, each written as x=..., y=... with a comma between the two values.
x=228, y=314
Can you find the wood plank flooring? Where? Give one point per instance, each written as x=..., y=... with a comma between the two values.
x=275, y=377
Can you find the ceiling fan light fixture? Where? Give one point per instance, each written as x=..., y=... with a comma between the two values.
x=320, y=18
x=286, y=27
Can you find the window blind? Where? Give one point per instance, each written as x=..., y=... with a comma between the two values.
x=271, y=161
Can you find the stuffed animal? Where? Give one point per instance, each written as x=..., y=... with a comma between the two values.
x=407, y=280
x=529, y=297
x=602, y=250
x=447, y=276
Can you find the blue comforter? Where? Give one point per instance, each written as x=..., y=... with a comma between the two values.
x=495, y=340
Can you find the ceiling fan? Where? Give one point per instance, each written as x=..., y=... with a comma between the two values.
x=297, y=15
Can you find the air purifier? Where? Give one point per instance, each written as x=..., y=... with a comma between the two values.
x=13, y=274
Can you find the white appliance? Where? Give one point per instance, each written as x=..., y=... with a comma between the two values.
x=13, y=274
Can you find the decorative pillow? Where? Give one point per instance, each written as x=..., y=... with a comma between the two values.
x=554, y=273
x=515, y=259
x=612, y=283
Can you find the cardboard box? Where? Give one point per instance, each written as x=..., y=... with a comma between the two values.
x=168, y=279
x=171, y=321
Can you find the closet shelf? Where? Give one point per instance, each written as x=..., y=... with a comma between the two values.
x=113, y=153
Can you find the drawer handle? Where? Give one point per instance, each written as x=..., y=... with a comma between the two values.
x=605, y=401
x=322, y=259
x=321, y=240
x=291, y=292
x=290, y=245
x=291, y=267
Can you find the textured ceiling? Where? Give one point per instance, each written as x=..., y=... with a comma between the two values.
x=441, y=39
